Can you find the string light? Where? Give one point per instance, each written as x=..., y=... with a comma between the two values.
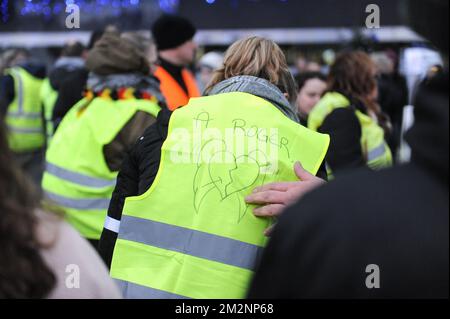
x=50, y=8
x=234, y=2
x=4, y=10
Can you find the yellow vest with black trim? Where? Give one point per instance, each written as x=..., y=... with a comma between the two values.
x=48, y=97
x=191, y=235
x=24, y=117
x=375, y=149
x=77, y=178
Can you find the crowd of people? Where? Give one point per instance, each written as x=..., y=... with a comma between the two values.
x=240, y=181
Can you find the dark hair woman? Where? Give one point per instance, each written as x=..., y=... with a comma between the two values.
x=349, y=113
x=23, y=272
x=36, y=247
x=311, y=87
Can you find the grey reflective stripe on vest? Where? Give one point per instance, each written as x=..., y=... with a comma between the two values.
x=20, y=111
x=22, y=130
x=190, y=242
x=376, y=152
x=79, y=204
x=134, y=291
x=18, y=77
x=31, y=116
x=112, y=224
x=77, y=178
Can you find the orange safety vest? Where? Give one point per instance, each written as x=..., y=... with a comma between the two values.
x=175, y=95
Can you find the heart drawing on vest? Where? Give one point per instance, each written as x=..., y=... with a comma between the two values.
x=224, y=174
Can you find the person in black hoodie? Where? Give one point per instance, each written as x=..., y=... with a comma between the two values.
x=374, y=235
x=71, y=61
x=72, y=58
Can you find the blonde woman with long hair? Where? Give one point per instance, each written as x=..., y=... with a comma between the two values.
x=178, y=225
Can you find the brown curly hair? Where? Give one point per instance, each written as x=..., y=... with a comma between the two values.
x=353, y=74
x=23, y=272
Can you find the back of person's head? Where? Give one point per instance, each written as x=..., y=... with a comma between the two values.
x=73, y=49
x=259, y=57
x=115, y=55
x=353, y=74
x=14, y=57
x=143, y=43
x=23, y=272
x=98, y=34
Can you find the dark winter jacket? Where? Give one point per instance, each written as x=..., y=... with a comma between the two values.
x=141, y=165
x=70, y=92
x=343, y=126
x=393, y=97
x=345, y=152
x=326, y=245
x=63, y=68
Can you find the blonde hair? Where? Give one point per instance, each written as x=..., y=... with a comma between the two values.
x=259, y=57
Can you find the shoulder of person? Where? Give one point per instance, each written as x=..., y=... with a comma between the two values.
x=158, y=130
x=79, y=271
x=340, y=115
x=38, y=70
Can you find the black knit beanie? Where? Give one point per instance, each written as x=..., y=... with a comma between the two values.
x=171, y=31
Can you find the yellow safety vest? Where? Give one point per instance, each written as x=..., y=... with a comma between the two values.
x=24, y=117
x=77, y=177
x=191, y=235
x=376, y=151
x=48, y=99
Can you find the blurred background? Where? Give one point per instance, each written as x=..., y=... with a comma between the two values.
x=301, y=27
x=310, y=32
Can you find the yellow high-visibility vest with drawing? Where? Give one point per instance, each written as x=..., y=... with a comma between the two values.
x=191, y=235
